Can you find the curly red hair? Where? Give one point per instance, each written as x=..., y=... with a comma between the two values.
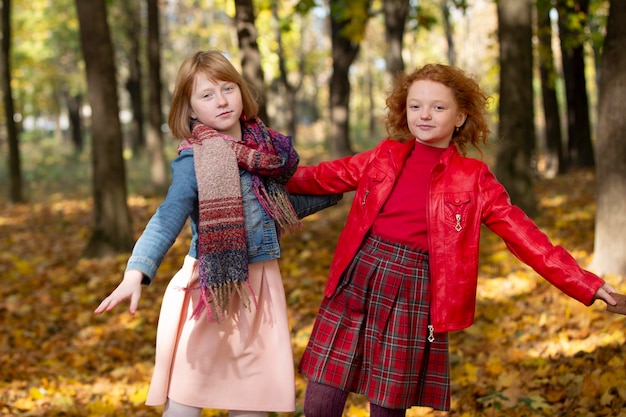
x=467, y=93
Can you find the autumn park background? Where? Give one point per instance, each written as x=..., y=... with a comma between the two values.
x=82, y=129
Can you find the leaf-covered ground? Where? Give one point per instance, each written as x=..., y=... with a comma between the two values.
x=531, y=352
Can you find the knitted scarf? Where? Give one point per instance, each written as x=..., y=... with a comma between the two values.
x=222, y=250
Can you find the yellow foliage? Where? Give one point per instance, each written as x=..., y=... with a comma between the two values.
x=494, y=365
x=532, y=350
x=471, y=372
x=24, y=404
x=354, y=411
x=138, y=395
x=36, y=393
x=101, y=407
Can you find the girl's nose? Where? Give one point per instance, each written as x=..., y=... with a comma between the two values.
x=221, y=100
x=425, y=114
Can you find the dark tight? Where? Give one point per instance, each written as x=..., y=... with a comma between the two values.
x=378, y=411
x=324, y=401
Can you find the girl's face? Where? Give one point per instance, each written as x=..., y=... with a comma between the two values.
x=217, y=105
x=432, y=113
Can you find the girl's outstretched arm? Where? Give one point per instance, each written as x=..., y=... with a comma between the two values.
x=130, y=287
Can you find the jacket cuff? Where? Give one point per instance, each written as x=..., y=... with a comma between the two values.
x=145, y=266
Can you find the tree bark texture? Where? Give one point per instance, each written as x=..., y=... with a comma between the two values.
x=396, y=12
x=250, y=55
x=159, y=173
x=579, y=146
x=344, y=51
x=448, y=29
x=16, y=193
x=112, y=231
x=610, y=228
x=516, y=128
x=74, y=105
x=287, y=116
x=131, y=23
x=554, y=157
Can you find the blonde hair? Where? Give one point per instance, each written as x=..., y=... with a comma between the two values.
x=216, y=67
x=470, y=98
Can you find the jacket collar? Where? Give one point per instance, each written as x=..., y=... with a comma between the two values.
x=397, y=152
x=400, y=149
x=450, y=153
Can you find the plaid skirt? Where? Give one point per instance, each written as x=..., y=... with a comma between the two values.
x=371, y=336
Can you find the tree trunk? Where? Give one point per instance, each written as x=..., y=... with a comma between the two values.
x=16, y=194
x=289, y=90
x=554, y=163
x=112, y=232
x=344, y=51
x=396, y=12
x=610, y=228
x=579, y=147
x=250, y=54
x=447, y=27
x=132, y=25
x=371, y=108
x=74, y=104
x=516, y=128
x=159, y=173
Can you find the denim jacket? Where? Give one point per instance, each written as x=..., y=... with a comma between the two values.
x=181, y=202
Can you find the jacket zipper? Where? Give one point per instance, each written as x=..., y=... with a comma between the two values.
x=392, y=161
x=365, y=197
x=431, y=328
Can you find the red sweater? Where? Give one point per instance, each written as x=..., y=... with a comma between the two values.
x=402, y=218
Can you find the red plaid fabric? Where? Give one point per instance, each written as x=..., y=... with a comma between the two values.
x=371, y=336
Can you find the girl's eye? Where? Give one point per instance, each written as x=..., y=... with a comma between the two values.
x=439, y=108
x=229, y=88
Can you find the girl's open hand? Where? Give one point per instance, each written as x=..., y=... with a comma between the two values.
x=604, y=293
x=130, y=287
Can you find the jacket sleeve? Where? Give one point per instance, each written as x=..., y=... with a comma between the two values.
x=167, y=222
x=533, y=247
x=307, y=204
x=331, y=177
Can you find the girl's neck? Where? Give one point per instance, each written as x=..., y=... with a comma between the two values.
x=234, y=132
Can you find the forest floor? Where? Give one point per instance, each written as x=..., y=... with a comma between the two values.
x=531, y=352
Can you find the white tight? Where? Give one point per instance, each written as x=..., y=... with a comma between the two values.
x=174, y=409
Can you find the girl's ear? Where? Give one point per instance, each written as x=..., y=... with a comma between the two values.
x=460, y=120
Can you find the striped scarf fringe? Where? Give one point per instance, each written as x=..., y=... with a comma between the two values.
x=276, y=203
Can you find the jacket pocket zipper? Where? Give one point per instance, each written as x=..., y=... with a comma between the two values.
x=365, y=197
x=458, y=226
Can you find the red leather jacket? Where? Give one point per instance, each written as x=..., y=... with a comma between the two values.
x=463, y=194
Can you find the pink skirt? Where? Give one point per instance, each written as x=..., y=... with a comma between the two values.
x=245, y=362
